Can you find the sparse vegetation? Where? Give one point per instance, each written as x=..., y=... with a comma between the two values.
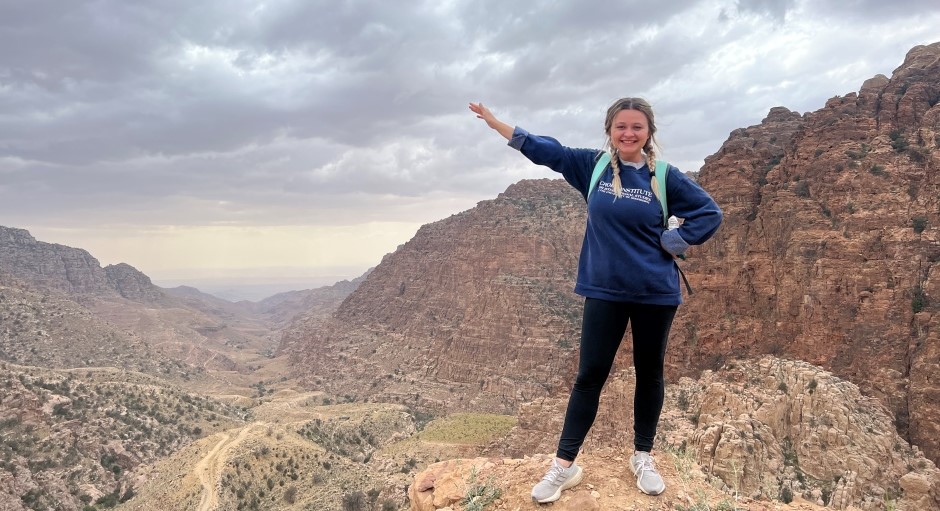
x=860, y=154
x=898, y=142
x=479, y=494
x=801, y=189
x=774, y=161
x=683, y=400
x=918, y=300
x=468, y=428
x=355, y=501
x=149, y=419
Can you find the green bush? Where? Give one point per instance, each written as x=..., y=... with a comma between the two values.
x=801, y=189
x=898, y=142
x=919, y=300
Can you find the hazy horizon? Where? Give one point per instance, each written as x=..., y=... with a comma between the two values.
x=253, y=285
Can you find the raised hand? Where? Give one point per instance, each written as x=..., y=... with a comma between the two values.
x=484, y=113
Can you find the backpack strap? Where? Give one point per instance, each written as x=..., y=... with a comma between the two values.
x=662, y=170
x=599, y=168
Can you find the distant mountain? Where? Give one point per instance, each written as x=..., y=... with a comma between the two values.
x=74, y=313
x=72, y=270
x=288, y=310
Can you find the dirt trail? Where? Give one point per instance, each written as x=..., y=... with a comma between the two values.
x=209, y=469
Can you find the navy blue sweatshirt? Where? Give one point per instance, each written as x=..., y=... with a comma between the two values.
x=627, y=255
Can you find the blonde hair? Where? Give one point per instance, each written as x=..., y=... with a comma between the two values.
x=642, y=106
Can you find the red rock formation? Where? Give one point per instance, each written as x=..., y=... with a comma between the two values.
x=829, y=247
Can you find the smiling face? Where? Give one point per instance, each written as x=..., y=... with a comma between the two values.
x=629, y=133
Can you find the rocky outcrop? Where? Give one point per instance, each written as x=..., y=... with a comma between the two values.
x=504, y=484
x=771, y=425
x=132, y=284
x=762, y=430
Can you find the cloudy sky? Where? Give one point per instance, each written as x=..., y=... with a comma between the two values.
x=300, y=141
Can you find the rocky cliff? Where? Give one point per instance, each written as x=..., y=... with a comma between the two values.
x=830, y=244
x=71, y=270
x=50, y=265
x=132, y=284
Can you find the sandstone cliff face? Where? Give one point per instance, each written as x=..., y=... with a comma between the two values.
x=830, y=244
x=479, y=302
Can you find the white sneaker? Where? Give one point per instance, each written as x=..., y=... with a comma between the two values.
x=557, y=478
x=648, y=479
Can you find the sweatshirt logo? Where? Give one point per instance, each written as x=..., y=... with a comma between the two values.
x=637, y=194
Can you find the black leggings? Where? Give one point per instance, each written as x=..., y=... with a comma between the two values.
x=604, y=325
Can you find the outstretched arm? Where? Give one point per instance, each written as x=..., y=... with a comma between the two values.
x=484, y=113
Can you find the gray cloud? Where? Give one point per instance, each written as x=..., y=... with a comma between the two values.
x=293, y=111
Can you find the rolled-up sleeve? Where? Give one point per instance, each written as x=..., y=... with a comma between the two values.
x=518, y=137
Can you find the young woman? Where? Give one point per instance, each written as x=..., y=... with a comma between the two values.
x=626, y=273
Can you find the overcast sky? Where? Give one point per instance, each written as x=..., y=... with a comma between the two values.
x=205, y=138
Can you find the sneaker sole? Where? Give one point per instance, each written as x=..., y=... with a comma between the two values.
x=653, y=493
x=568, y=484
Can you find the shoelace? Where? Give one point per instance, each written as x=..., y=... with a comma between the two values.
x=555, y=473
x=645, y=464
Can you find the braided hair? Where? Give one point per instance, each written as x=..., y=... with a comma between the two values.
x=643, y=107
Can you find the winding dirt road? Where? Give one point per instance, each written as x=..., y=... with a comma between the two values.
x=209, y=469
